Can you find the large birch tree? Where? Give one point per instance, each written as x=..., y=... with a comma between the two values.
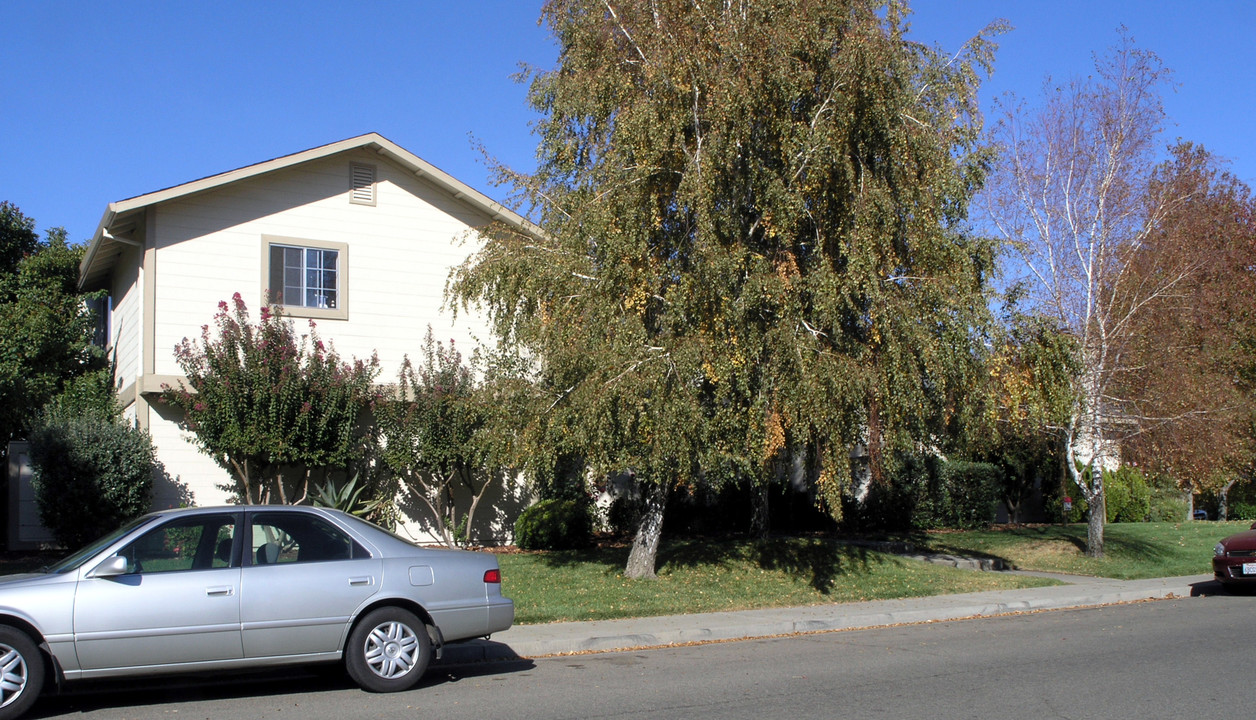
x=751, y=243
x=1073, y=199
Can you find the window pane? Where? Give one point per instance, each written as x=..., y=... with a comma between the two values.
x=276, y=274
x=280, y=538
x=309, y=276
x=192, y=544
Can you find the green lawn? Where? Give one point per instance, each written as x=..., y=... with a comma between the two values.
x=698, y=575
x=1132, y=550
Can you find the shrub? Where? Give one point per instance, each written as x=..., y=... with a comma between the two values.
x=928, y=493
x=1126, y=495
x=966, y=494
x=1168, y=502
x=91, y=475
x=1242, y=511
x=555, y=525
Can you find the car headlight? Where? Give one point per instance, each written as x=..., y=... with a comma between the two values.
x=1219, y=549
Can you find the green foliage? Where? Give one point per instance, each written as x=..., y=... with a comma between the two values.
x=269, y=407
x=1243, y=511
x=91, y=474
x=89, y=394
x=46, y=325
x=967, y=494
x=930, y=494
x=17, y=237
x=752, y=239
x=1014, y=417
x=1168, y=505
x=430, y=429
x=1127, y=495
x=555, y=525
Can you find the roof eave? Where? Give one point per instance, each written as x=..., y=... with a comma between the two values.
x=421, y=168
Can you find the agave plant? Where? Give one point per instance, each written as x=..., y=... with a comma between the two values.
x=347, y=497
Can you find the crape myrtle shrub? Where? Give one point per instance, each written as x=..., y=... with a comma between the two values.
x=555, y=525
x=928, y=494
x=92, y=474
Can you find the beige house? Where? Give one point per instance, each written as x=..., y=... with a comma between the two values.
x=358, y=235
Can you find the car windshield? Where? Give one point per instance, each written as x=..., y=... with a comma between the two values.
x=73, y=561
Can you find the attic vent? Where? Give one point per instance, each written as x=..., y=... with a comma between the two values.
x=362, y=184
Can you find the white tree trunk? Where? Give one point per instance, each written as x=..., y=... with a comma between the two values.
x=645, y=545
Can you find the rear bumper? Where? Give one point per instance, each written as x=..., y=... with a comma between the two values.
x=501, y=614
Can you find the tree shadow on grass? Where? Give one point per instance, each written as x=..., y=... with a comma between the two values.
x=819, y=562
x=608, y=556
x=1117, y=544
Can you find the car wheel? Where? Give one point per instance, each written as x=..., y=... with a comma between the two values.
x=388, y=650
x=21, y=672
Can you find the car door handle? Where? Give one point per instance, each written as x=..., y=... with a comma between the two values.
x=220, y=590
x=364, y=580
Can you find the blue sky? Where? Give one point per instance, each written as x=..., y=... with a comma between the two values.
x=105, y=100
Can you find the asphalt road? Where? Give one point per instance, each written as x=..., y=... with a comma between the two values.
x=1170, y=658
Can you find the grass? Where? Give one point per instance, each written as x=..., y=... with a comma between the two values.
x=697, y=575
x=1131, y=550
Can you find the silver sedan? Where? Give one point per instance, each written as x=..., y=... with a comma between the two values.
x=243, y=586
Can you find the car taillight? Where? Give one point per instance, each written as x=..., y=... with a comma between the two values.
x=493, y=576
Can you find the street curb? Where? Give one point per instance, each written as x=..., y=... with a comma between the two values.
x=531, y=641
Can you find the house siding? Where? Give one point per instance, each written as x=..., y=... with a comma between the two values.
x=400, y=252
x=124, y=325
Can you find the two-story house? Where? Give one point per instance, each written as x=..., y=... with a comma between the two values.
x=359, y=235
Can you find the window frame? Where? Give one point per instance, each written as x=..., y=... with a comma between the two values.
x=357, y=551
x=341, y=311
x=203, y=520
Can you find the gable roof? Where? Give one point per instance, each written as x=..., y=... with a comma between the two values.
x=120, y=217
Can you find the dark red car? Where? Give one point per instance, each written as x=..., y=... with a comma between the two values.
x=1234, y=559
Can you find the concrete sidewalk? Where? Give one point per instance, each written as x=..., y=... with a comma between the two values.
x=525, y=641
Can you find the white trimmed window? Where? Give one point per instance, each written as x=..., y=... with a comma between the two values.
x=305, y=277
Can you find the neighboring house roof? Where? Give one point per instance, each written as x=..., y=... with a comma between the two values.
x=120, y=217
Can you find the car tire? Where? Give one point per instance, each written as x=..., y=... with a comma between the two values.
x=388, y=650
x=21, y=672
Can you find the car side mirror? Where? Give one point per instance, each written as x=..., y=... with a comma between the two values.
x=113, y=567
x=1254, y=526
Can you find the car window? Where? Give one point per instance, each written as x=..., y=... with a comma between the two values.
x=282, y=538
x=72, y=562
x=195, y=543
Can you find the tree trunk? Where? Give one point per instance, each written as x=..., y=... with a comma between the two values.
x=645, y=546
x=1095, y=523
x=1223, y=500
x=760, y=521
